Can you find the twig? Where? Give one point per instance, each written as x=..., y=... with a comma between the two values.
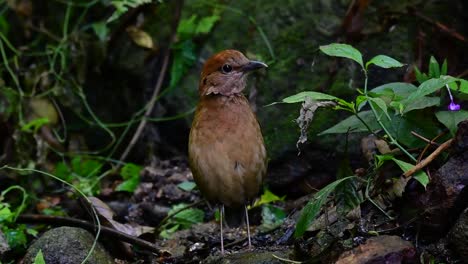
x=59, y=221
x=157, y=87
x=428, y=141
x=450, y=31
x=428, y=145
x=429, y=158
x=287, y=260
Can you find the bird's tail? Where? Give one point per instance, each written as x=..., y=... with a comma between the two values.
x=234, y=216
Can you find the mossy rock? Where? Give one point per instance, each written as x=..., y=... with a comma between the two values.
x=67, y=245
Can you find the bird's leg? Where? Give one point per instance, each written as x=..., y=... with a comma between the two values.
x=248, y=226
x=221, y=212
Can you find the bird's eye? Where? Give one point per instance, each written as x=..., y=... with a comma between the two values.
x=226, y=68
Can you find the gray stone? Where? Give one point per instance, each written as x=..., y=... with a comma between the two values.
x=67, y=245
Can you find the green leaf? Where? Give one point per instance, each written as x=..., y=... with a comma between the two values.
x=101, y=30
x=267, y=197
x=86, y=167
x=434, y=69
x=206, y=24
x=4, y=25
x=463, y=86
x=429, y=87
x=421, y=77
x=300, y=97
x=343, y=50
x=353, y=125
x=122, y=6
x=188, y=217
x=443, y=70
x=400, y=90
x=16, y=236
x=6, y=215
x=34, y=125
x=130, y=171
x=168, y=232
x=39, y=259
x=313, y=207
x=361, y=102
x=184, y=58
x=421, y=103
x=187, y=185
x=384, y=61
x=450, y=119
x=63, y=172
x=187, y=27
x=420, y=176
x=381, y=159
x=129, y=185
x=381, y=104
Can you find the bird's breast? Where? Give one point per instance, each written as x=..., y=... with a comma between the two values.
x=226, y=150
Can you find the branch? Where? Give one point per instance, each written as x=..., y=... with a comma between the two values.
x=429, y=158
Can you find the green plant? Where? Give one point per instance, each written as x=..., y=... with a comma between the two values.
x=181, y=217
x=391, y=112
x=15, y=234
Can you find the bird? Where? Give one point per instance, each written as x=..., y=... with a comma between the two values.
x=227, y=154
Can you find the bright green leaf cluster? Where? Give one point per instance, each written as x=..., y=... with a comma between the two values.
x=131, y=174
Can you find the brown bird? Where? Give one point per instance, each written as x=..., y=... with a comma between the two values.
x=227, y=155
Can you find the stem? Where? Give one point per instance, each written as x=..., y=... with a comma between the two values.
x=392, y=139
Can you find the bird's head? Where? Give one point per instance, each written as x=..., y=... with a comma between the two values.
x=225, y=73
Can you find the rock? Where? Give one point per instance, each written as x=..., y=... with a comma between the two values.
x=458, y=236
x=67, y=245
x=249, y=258
x=381, y=249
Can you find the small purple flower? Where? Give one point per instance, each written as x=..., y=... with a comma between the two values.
x=453, y=106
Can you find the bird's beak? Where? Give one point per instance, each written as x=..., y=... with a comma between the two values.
x=253, y=65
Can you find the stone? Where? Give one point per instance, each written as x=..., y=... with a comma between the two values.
x=68, y=245
x=381, y=249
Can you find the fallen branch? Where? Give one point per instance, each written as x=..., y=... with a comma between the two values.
x=68, y=221
x=429, y=158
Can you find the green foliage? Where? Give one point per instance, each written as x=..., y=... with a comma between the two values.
x=83, y=173
x=34, y=125
x=131, y=175
x=313, y=207
x=435, y=71
x=344, y=51
x=384, y=61
x=122, y=6
x=181, y=219
x=450, y=119
x=15, y=234
x=396, y=109
x=420, y=176
x=300, y=97
x=268, y=197
x=39, y=259
x=185, y=50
